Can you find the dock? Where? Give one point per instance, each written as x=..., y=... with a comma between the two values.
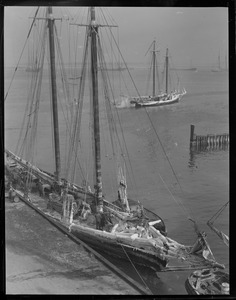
x=120, y=276
x=209, y=141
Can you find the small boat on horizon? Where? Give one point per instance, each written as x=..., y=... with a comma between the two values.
x=184, y=69
x=219, y=68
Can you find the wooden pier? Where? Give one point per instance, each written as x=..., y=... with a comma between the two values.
x=209, y=141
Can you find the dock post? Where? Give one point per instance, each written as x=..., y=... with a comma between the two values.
x=192, y=133
x=224, y=139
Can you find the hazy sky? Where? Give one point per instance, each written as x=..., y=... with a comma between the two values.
x=193, y=35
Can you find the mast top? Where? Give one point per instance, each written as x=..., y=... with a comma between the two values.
x=93, y=20
x=92, y=12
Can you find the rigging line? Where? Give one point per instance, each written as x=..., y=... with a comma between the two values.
x=30, y=146
x=187, y=211
x=146, y=286
x=89, y=162
x=33, y=87
x=117, y=33
x=108, y=14
x=63, y=72
x=163, y=149
x=117, y=46
x=118, y=63
x=149, y=76
x=106, y=150
x=149, y=48
x=22, y=126
x=106, y=93
x=216, y=215
x=176, y=74
x=110, y=120
x=64, y=84
x=78, y=114
x=125, y=147
x=128, y=156
x=158, y=79
x=51, y=119
x=116, y=110
x=162, y=78
x=21, y=53
x=33, y=94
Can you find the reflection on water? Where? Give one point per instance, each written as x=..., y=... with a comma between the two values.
x=198, y=151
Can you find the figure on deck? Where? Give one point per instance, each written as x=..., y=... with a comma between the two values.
x=86, y=210
x=11, y=194
x=103, y=221
x=42, y=188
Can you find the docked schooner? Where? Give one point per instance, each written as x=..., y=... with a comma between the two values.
x=118, y=226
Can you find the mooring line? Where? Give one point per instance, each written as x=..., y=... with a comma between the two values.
x=134, y=267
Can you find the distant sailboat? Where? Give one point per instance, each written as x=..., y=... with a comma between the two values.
x=190, y=68
x=185, y=69
x=115, y=67
x=219, y=68
x=162, y=98
x=226, y=63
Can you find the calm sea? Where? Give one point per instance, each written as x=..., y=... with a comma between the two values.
x=202, y=184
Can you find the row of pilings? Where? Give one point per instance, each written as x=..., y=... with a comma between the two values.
x=209, y=141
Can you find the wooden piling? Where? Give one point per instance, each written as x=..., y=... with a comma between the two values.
x=192, y=133
x=208, y=141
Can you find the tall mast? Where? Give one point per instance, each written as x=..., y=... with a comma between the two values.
x=167, y=71
x=96, y=126
x=54, y=93
x=154, y=73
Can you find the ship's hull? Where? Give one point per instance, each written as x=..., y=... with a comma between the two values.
x=141, y=99
x=112, y=245
x=207, y=282
x=161, y=102
x=139, y=251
